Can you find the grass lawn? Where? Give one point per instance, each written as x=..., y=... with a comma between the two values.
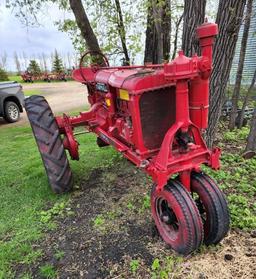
x=25, y=193
x=20, y=80
x=16, y=78
x=26, y=200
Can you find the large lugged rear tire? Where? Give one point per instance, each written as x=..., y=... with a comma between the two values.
x=177, y=218
x=49, y=142
x=212, y=206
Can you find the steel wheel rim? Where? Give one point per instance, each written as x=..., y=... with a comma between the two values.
x=13, y=112
x=167, y=219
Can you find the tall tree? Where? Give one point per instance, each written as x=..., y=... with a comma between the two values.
x=44, y=62
x=17, y=63
x=84, y=25
x=69, y=59
x=24, y=60
x=34, y=67
x=121, y=31
x=240, y=68
x=246, y=101
x=250, y=149
x=3, y=60
x=175, y=42
x=57, y=65
x=194, y=14
x=157, y=47
x=229, y=18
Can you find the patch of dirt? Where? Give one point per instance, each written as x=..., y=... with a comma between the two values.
x=111, y=227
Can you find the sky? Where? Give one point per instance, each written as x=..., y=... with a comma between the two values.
x=14, y=36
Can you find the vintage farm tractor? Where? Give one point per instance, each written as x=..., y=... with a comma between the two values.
x=154, y=115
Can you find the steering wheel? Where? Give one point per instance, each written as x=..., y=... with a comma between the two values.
x=94, y=66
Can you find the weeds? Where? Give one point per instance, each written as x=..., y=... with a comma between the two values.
x=59, y=254
x=134, y=265
x=98, y=221
x=162, y=269
x=58, y=209
x=48, y=271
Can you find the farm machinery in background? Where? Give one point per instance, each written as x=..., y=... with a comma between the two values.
x=226, y=112
x=47, y=77
x=154, y=115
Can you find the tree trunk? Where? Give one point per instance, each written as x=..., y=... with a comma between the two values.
x=229, y=18
x=157, y=47
x=246, y=100
x=121, y=31
x=84, y=25
x=194, y=14
x=240, y=68
x=250, y=149
x=166, y=30
x=175, y=43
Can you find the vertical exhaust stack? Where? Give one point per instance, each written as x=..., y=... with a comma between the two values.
x=206, y=34
x=199, y=90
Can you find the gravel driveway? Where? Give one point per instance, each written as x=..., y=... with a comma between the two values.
x=62, y=97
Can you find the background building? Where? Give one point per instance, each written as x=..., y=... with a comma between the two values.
x=250, y=57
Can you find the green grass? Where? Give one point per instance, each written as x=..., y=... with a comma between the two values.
x=30, y=92
x=48, y=271
x=20, y=80
x=16, y=78
x=25, y=193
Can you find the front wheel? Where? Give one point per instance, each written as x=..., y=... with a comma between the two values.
x=212, y=206
x=49, y=143
x=177, y=218
x=11, y=112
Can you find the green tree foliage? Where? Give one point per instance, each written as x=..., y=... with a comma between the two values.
x=3, y=75
x=57, y=65
x=104, y=17
x=34, y=67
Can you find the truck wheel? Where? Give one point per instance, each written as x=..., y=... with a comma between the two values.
x=49, y=142
x=212, y=206
x=11, y=112
x=177, y=218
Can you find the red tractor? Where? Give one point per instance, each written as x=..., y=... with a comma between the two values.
x=154, y=115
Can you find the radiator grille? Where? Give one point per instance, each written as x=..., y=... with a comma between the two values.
x=157, y=112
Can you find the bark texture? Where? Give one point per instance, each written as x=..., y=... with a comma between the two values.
x=240, y=68
x=84, y=25
x=229, y=18
x=250, y=149
x=157, y=47
x=194, y=14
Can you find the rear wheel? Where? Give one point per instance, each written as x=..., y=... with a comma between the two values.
x=49, y=143
x=11, y=112
x=177, y=217
x=212, y=206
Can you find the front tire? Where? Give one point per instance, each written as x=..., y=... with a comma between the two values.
x=11, y=112
x=212, y=206
x=177, y=218
x=49, y=142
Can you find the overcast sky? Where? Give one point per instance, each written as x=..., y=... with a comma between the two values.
x=16, y=37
